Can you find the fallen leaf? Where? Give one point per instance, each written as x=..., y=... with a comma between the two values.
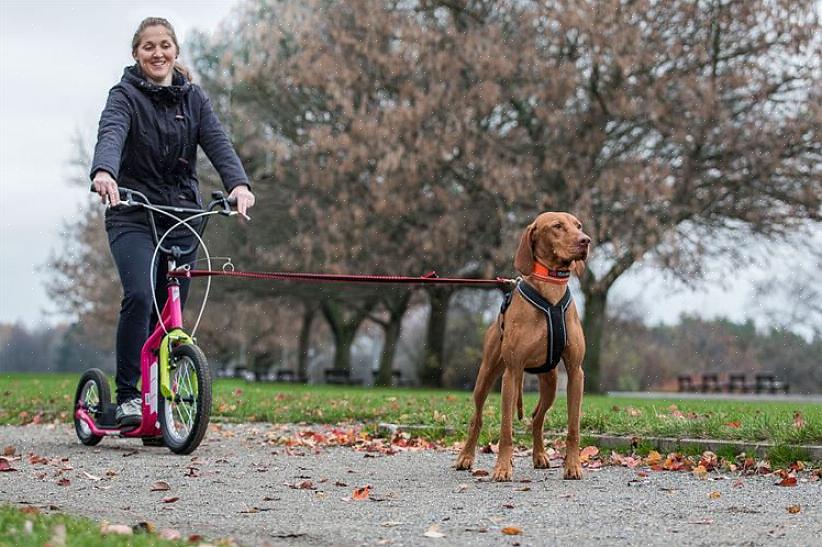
x=30, y=510
x=714, y=495
x=798, y=420
x=479, y=473
x=633, y=411
x=91, y=477
x=700, y=472
x=511, y=531
x=9, y=451
x=58, y=535
x=5, y=465
x=794, y=509
x=588, y=452
x=736, y=424
x=171, y=499
x=160, y=486
x=434, y=532
x=462, y=487
x=787, y=481
x=63, y=482
x=391, y=523
x=144, y=528
x=115, y=529
x=361, y=494
x=303, y=485
x=653, y=458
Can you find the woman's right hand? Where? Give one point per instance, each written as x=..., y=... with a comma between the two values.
x=106, y=187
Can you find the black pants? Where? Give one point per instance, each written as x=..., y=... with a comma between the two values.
x=132, y=249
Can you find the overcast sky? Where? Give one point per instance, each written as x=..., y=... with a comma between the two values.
x=58, y=59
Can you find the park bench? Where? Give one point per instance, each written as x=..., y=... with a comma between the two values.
x=339, y=376
x=710, y=383
x=766, y=382
x=287, y=375
x=685, y=383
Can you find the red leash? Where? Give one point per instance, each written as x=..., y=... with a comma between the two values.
x=427, y=279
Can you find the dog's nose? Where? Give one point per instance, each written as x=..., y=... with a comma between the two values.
x=585, y=240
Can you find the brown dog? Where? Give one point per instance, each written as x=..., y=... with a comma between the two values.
x=550, y=248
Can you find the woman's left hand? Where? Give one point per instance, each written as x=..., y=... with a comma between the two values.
x=243, y=197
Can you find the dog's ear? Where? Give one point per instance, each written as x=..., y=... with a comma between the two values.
x=578, y=267
x=524, y=259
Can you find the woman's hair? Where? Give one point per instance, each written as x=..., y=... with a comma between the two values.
x=159, y=21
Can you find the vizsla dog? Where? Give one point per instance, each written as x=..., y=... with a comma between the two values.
x=551, y=247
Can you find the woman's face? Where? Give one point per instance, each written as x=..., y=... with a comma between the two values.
x=156, y=53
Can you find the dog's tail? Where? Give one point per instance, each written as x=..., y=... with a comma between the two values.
x=519, y=399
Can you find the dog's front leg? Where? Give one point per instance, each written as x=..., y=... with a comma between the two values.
x=511, y=382
x=547, y=394
x=576, y=381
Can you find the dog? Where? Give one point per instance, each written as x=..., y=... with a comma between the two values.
x=551, y=248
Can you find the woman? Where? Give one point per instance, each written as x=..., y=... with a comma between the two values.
x=147, y=141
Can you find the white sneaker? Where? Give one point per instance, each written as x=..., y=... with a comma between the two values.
x=129, y=413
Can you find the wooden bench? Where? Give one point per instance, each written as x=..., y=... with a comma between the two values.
x=710, y=383
x=288, y=375
x=766, y=382
x=685, y=383
x=339, y=376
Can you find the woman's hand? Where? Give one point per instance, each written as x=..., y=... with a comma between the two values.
x=244, y=199
x=106, y=187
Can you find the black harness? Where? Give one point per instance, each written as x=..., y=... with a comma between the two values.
x=554, y=319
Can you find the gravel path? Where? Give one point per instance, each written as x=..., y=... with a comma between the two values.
x=240, y=486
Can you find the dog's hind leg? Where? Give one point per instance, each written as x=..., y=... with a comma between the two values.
x=489, y=372
x=547, y=394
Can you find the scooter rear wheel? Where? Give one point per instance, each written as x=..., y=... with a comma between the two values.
x=93, y=394
x=184, y=416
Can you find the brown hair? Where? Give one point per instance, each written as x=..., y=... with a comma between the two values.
x=159, y=21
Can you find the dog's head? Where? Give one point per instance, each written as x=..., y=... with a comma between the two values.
x=555, y=240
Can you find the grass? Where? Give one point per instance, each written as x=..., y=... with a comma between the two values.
x=50, y=528
x=446, y=413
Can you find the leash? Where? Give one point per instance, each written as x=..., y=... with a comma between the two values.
x=430, y=278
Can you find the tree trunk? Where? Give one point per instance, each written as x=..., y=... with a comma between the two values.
x=305, y=342
x=593, y=324
x=434, y=361
x=344, y=322
x=389, y=349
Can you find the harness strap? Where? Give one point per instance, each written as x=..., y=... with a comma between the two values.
x=554, y=319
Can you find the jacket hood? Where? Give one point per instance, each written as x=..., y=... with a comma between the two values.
x=172, y=93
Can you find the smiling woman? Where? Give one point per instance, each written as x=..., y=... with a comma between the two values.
x=155, y=49
x=147, y=140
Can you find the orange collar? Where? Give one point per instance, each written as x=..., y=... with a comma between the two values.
x=543, y=273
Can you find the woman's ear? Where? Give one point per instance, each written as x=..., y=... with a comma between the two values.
x=578, y=267
x=524, y=259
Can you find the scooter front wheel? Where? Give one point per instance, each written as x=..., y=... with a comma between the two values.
x=93, y=395
x=184, y=416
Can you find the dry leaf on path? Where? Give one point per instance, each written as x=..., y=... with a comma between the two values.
x=794, y=509
x=160, y=486
x=434, y=532
x=714, y=495
x=116, y=529
x=361, y=494
x=511, y=531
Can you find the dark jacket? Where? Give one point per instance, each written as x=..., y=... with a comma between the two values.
x=147, y=140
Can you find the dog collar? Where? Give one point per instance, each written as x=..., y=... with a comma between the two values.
x=543, y=273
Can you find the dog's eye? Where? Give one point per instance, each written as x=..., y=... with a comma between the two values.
x=557, y=226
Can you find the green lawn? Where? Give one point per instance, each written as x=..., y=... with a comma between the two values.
x=46, y=398
x=59, y=529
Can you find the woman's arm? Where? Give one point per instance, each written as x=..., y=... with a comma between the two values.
x=115, y=122
x=218, y=148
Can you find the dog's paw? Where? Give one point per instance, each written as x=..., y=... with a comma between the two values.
x=573, y=472
x=464, y=462
x=502, y=473
x=541, y=460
